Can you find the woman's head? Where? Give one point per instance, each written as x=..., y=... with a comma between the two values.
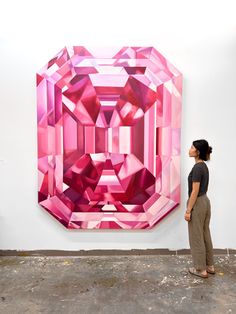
x=200, y=149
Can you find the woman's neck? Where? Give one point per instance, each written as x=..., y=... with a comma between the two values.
x=197, y=160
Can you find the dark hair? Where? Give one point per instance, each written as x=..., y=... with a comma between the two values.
x=204, y=149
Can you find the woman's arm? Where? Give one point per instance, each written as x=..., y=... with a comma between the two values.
x=192, y=200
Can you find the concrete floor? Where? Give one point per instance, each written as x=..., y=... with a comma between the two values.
x=115, y=284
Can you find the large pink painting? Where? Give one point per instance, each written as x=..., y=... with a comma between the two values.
x=109, y=126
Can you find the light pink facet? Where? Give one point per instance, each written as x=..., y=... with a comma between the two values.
x=109, y=137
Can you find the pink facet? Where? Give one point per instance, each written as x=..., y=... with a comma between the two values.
x=109, y=137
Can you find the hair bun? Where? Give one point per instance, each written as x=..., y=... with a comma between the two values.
x=209, y=150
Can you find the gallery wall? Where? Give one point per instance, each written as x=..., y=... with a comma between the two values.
x=199, y=38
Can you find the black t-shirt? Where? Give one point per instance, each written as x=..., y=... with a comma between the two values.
x=199, y=173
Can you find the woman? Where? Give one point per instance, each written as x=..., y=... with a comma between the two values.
x=198, y=211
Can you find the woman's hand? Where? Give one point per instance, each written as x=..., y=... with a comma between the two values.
x=187, y=216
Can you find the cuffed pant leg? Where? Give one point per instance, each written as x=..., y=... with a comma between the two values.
x=207, y=238
x=196, y=235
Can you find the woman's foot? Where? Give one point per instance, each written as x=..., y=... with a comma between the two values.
x=199, y=273
x=211, y=270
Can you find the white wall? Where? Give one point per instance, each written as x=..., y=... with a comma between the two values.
x=198, y=37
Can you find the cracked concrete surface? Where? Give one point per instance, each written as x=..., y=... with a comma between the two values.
x=115, y=284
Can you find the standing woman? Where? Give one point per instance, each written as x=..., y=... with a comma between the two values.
x=198, y=211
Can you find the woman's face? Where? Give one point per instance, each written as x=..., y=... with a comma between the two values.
x=193, y=152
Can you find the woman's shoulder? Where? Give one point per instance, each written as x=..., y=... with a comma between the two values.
x=200, y=165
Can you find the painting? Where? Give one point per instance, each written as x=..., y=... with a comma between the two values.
x=109, y=126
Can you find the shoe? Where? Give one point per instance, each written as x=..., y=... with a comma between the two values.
x=198, y=273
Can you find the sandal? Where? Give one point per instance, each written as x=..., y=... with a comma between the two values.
x=212, y=272
x=198, y=273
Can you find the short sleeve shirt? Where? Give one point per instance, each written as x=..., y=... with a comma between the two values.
x=199, y=173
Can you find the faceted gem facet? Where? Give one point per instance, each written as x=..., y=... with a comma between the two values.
x=109, y=137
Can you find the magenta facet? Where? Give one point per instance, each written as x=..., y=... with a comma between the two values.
x=109, y=127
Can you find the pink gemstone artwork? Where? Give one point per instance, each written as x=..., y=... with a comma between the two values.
x=109, y=123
